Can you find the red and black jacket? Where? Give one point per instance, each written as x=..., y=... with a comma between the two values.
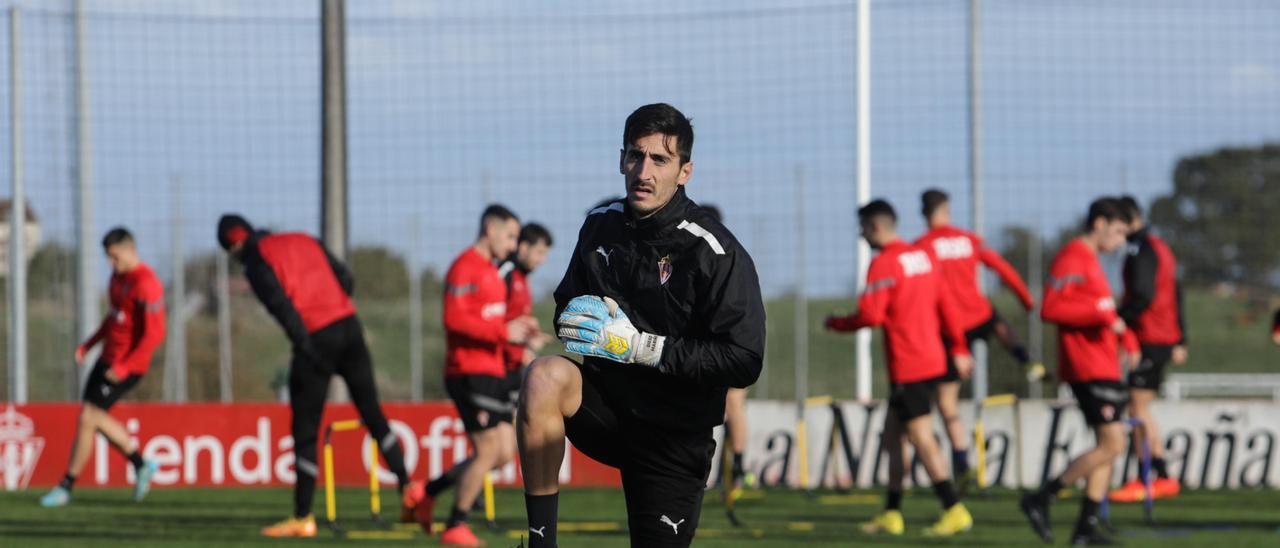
x=1152, y=304
x=302, y=285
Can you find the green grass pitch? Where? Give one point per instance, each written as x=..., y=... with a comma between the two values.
x=596, y=517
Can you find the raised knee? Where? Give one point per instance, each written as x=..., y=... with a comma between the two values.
x=547, y=375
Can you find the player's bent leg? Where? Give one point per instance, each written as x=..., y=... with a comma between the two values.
x=957, y=434
x=552, y=391
x=356, y=369
x=308, y=387
x=890, y=520
x=955, y=517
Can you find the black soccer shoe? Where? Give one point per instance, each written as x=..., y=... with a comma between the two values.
x=1088, y=535
x=1037, y=512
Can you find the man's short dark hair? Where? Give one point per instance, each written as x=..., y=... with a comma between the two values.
x=533, y=233
x=1130, y=206
x=876, y=209
x=664, y=119
x=496, y=212
x=931, y=200
x=117, y=235
x=1106, y=208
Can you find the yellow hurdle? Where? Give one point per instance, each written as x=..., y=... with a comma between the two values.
x=802, y=436
x=330, y=500
x=980, y=437
x=490, y=514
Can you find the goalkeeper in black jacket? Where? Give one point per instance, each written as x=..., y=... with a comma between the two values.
x=664, y=305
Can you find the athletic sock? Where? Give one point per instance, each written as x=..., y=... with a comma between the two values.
x=542, y=511
x=1020, y=353
x=395, y=463
x=893, y=500
x=946, y=493
x=136, y=460
x=959, y=461
x=447, y=479
x=1160, y=467
x=1049, y=490
x=458, y=517
x=1088, y=509
x=68, y=482
x=738, y=472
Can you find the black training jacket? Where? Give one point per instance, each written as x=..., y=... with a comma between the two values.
x=679, y=274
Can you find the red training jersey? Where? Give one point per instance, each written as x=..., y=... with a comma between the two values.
x=519, y=304
x=135, y=325
x=475, y=311
x=904, y=294
x=1078, y=299
x=302, y=267
x=1151, y=306
x=958, y=253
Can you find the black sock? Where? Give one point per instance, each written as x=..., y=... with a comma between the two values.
x=1020, y=353
x=1160, y=467
x=1088, y=510
x=395, y=463
x=946, y=493
x=447, y=479
x=68, y=481
x=136, y=460
x=542, y=519
x=459, y=516
x=1049, y=490
x=959, y=461
x=893, y=500
x=738, y=472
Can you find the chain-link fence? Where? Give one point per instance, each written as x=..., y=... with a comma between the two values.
x=195, y=111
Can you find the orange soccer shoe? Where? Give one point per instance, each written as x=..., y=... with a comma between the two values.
x=1163, y=488
x=1134, y=491
x=460, y=535
x=292, y=527
x=413, y=493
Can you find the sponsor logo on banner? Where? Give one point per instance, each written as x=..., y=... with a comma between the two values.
x=20, y=449
x=1209, y=444
x=243, y=445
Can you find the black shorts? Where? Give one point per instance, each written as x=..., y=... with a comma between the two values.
x=981, y=332
x=483, y=401
x=103, y=393
x=664, y=468
x=1101, y=402
x=515, y=377
x=913, y=399
x=1150, y=371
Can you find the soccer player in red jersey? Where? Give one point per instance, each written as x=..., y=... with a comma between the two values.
x=308, y=292
x=477, y=337
x=904, y=294
x=958, y=253
x=1091, y=333
x=1152, y=308
x=130, y=333
x=531, y=251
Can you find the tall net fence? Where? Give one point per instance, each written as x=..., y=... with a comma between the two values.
x=196, y=111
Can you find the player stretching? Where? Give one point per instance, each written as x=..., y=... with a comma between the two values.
x=130, y=332
x=308, y=291
x=1152, y=308
x=477, y=334
x=958, y=253
x=904, y=294
x=664, y=305
x=1078, y=299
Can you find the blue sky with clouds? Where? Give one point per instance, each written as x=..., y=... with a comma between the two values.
x=454, y=104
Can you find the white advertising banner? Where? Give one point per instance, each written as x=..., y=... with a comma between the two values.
x=1213, y=444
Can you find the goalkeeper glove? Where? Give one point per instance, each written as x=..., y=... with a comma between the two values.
x=593, y=326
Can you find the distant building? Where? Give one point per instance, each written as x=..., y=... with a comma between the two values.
x=31, y=241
